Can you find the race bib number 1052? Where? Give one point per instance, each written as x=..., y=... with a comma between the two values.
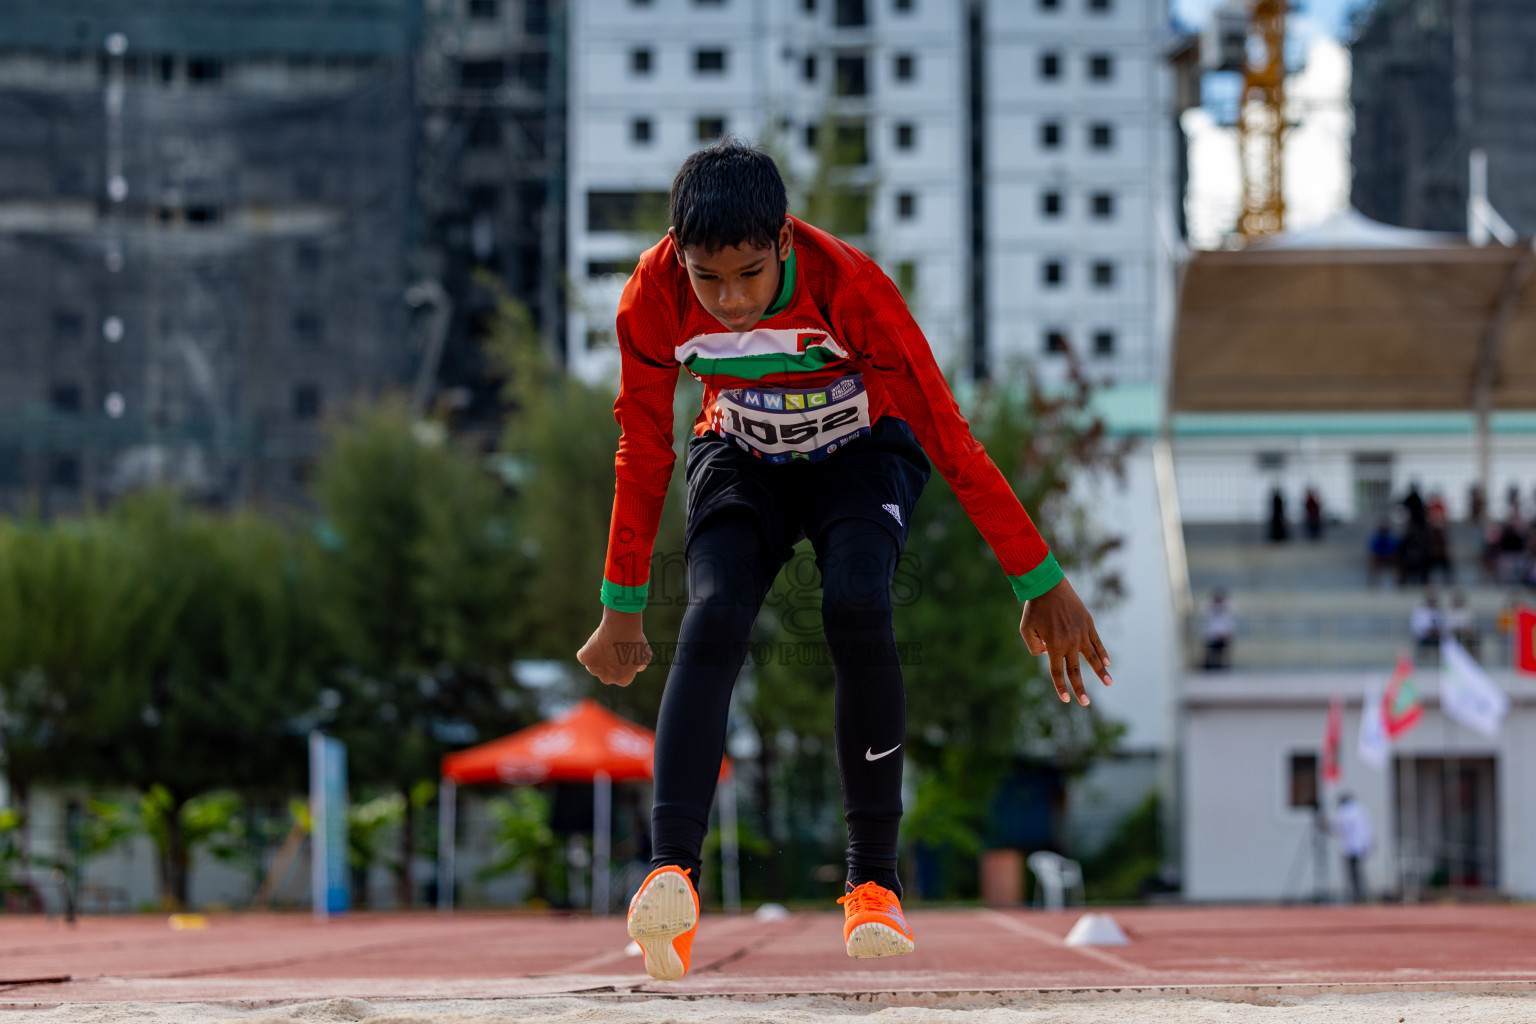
x=781, y=424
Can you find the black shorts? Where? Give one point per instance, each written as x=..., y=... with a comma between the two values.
x=879, y=478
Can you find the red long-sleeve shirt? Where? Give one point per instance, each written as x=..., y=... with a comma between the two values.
x=837, y=313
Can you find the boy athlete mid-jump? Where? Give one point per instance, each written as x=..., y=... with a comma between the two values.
x=822, y=406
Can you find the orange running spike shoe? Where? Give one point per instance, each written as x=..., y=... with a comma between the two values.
x=663, y=917
x=873, y=924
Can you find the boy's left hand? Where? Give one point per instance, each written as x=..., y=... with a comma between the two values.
x=1057, y=623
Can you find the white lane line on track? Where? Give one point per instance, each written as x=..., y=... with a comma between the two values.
x=1040, y=935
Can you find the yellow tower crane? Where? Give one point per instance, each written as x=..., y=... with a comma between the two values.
x=1261, y=124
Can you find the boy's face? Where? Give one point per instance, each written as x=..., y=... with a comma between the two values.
x=736, y=284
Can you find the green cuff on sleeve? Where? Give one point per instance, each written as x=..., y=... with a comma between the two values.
x=1038, y=580
x=624, y=599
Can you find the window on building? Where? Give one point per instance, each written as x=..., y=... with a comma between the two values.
x=1050, y=5
x=308, y=184
x=484, y=8
x=610, y=268
x=1050, y=66
x=640, y=60
x=903, y=6
x=203, y=214
x=809, y=6
x=906, y=205
x=165, y=68
x=68, y=327
x=481, y=74
x=204, y=70
x=308, y=328
x=640, y=130
x=906, y=135
x=852, y=140
x=709, y=3
x=1101, y=135
x=709, y=128
x=1099, y=6
x=1302, y=783
x=1103, y=274
x=1050, y=135
x=307, y=258
x=850, y=76
x=598, y=339
x=850, y=14
x=1056, y=343
x=1103, y=344
x=1051, y=202
x=306, y=402
x=484, y=133
x=1053, y=273
x=1101, y=67
x=65, y=398
x=906, y=277
x=533, y=68
x=709, y=61
x=625, y=211
x=812, y=135
x=905, y=67
x=1103, y=205
x=64, y=471
x=808, y=68
x=484, y=197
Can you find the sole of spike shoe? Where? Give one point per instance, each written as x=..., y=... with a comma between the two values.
x=871, y=940
x=662, y=911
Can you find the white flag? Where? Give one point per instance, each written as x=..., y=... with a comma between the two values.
x=1373, y=746
x=1467, y=695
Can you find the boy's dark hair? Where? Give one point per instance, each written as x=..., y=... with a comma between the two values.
x=728, y=194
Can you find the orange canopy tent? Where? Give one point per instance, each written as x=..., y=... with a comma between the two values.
x=585, y=743
x=572, y=747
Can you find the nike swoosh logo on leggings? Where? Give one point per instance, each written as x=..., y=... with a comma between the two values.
x=870, y=755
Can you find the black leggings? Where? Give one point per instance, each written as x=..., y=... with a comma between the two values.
x=730, y=568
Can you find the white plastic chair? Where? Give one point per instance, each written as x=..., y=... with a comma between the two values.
x=1055, y=875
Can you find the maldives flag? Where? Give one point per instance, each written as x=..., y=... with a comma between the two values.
x=1333, y=734
x=1525, y=639
x=1401, y=708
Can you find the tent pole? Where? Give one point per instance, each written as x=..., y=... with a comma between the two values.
x=447, y=821
x=602, y=830
x=730, y=855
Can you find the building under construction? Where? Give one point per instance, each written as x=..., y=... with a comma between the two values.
x=203, y=231
x=1434, y=80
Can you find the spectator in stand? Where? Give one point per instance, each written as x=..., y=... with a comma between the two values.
x=1413, y=503
x=1435, y=506
x=1279, y=530
x=1461, y=624
x=1383, y=549
x=1477, y=505
x=1313, y=508
x=1437, y=543
x=1509, y=561
x=1219, y=627
x=1428, y=625
x=1508, y=615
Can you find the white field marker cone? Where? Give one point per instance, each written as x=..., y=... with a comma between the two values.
x=1096, y=930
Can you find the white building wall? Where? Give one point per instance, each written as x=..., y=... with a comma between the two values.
x=1222, y=478
x=765, y=96
x=1135, y=170
x=1241, y=841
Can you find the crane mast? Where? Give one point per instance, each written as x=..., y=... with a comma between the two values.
x=1261, y=123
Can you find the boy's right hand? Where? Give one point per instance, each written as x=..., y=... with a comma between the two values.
x=617, y=649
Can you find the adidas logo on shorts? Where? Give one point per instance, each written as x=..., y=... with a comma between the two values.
x=894, y=510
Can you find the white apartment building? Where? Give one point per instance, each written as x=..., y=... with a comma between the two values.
x=653, y=80
x=1080, y=186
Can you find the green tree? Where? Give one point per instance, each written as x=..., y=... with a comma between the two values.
x=421, y=579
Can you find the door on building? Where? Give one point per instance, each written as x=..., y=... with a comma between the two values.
x=1373, y=485
x=1447, y=823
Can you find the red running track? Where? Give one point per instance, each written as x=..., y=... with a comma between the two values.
x=499, y=955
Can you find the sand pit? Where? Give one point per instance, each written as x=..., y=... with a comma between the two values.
x=1379, y=1008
